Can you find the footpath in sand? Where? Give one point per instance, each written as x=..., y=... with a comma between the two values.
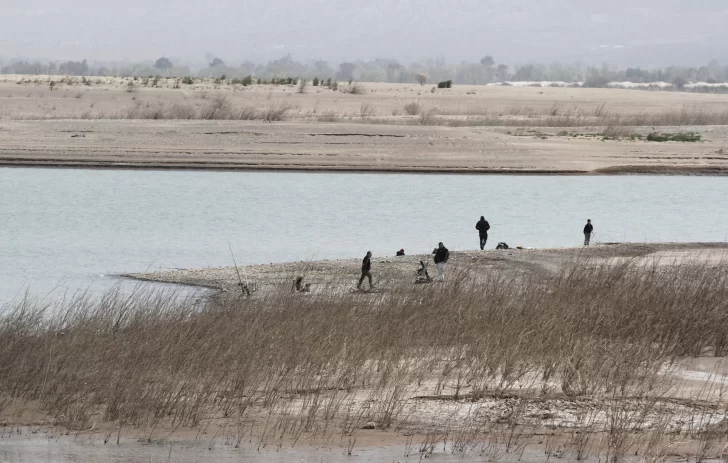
x=342, y=275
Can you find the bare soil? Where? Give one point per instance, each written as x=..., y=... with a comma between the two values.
x=76, y=125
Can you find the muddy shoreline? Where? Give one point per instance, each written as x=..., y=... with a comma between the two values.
x=50, y=163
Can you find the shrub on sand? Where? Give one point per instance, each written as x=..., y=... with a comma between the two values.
x=413, y=108
x=355, y=89
x=219, y=107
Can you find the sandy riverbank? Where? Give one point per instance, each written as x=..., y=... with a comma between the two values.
x=342, y=274
x=522, y=415
x=467, y=129
x=621, y=353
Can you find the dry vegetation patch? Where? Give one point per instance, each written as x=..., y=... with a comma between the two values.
x=613, y=114
x=599, y=343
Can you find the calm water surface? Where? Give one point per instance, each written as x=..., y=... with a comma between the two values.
x=23, y=448
x=61, y=230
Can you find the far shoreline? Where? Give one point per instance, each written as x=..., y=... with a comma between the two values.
x=636, y=170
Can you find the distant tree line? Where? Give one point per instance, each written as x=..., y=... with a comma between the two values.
x=486, y=70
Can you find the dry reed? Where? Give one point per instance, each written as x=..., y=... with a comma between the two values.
x=606, y=333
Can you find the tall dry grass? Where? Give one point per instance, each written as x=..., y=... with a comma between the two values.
x=326, y=362
x=218, y=107
x=524, y=116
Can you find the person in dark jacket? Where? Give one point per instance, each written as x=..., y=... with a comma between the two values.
x=588, y=229
x=482, y=226
x=366, y=267
x=400, y=253
x=441, y=257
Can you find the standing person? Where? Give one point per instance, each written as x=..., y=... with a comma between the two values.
x=588, y=229
x=366, y=267
x=482, y=226
x=441, y=256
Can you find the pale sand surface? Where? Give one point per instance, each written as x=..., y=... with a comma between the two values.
x=59, y=128
x=327, y=275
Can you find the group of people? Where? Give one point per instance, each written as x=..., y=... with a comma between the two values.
x=483, y=226
x=442, y=254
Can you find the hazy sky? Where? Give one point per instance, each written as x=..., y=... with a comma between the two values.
x=646, y=32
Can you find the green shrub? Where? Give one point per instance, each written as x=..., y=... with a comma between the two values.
x=187, y=80
x=245, y=81
x=355, y=89
x=688, y=137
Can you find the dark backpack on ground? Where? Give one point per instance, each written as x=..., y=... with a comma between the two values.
x=502, y=245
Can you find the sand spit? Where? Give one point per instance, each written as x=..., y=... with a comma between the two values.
x=341, y=275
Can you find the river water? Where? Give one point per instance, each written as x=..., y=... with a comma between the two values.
x=44, y=446
x=67, y=229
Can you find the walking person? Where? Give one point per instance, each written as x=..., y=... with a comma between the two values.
x=366, y=267
x=588, y=230
x=482, y=226
x=441, y=256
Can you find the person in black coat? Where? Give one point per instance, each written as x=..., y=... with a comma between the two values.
x=366, y=267
x=482, y=226
x=441, y=257
x=588, y=230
